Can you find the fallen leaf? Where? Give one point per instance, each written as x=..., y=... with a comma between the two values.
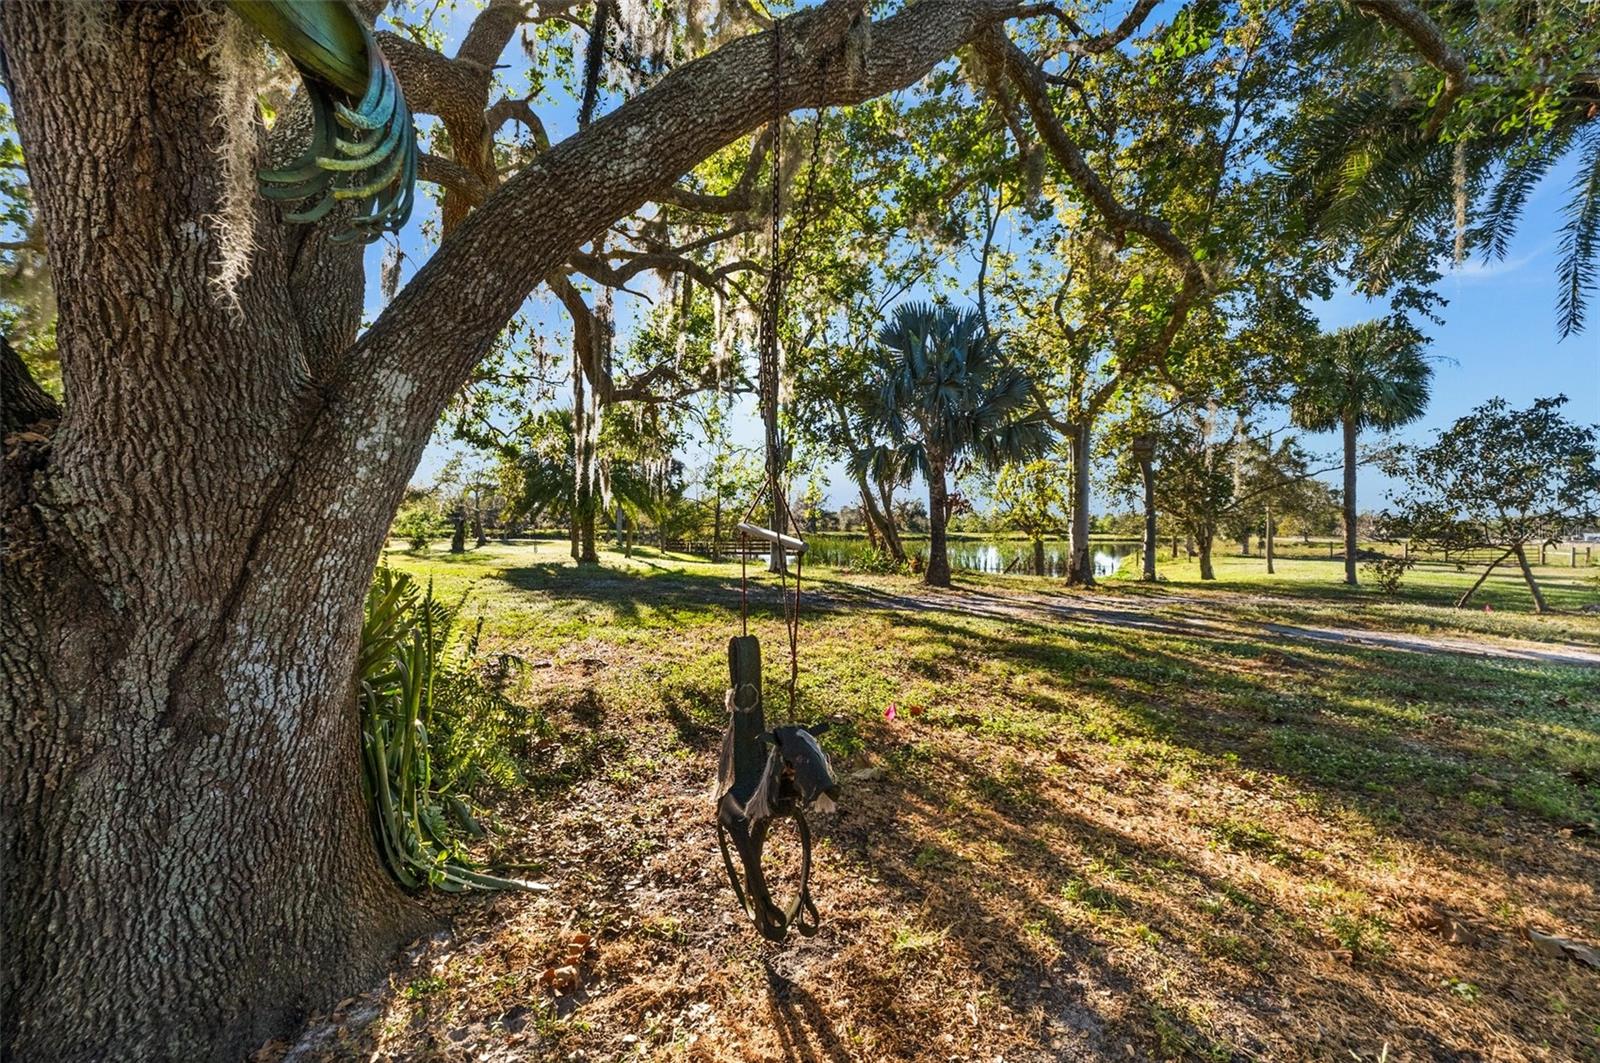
x=1556, y=947
x=889, y=713
x=872, y=774
x=915, y=710
x=560, y=978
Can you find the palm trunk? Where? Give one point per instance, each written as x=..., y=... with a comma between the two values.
x=1350, y=501
x=1080, y=567
x=1527, y=576
x=938, y=571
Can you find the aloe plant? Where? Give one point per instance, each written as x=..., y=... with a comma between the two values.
x=417, y=819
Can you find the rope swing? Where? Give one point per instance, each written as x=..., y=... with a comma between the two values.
x=763, y=775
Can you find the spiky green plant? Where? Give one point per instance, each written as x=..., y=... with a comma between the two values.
x=411, y=696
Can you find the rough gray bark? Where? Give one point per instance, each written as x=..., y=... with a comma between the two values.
x=187, y=866
x=1350, y=544
x=938, y=570
x=1080, y=564
x=23, y=403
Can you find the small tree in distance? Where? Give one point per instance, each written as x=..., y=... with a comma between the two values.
x=1371, y=375
x=1029, y=497
x=1500, y=477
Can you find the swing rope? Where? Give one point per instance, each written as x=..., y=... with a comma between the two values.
x=782, y=264
x=791, y=778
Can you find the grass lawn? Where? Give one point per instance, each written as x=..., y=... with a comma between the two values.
x=1075, y=839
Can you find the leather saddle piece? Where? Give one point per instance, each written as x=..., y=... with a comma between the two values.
x=764, y=776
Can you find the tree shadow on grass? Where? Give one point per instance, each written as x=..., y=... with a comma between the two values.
x=1349, y=738
x=624, y=590
x=1039, y=896
x=804, y=1032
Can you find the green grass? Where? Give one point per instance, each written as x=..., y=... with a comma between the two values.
x=1174, y=817
x=1370, y=722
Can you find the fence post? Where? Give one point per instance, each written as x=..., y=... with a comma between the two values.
x=1574, y=557
x=1542, y=548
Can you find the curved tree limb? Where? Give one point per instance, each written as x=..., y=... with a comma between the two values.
x=1434, y=47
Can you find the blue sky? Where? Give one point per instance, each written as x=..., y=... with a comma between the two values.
x=1498, y=337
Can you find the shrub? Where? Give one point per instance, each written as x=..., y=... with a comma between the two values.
x=876, y=562
x=417, y=525
x=1385, y=573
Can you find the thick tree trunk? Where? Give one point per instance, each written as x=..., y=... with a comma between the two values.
x=1038, y=555
x=1080, y=564
x=938, y=571
x=478, y=538
x=187, y=865
x=1350, y=501
x=1527, y=577
x=1147, y=472
x=458, y=532
x=1205, y=537
x=23, y=403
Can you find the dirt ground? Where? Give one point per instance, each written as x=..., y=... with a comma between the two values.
x=1050, y=853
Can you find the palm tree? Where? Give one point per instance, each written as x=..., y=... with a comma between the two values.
x=1371, y=375
x=945, y=397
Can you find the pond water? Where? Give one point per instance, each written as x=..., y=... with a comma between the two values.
x=1014, y=556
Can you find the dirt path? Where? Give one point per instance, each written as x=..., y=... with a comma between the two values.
x=1199, y=617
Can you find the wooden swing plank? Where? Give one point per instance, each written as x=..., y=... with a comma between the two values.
x=787, y=542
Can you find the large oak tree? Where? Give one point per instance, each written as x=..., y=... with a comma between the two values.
x=189, y=534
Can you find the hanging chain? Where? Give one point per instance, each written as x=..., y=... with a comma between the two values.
x=767, y=378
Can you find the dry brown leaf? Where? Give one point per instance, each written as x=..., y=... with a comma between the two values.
x=559, y=979
x=1556, y=947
